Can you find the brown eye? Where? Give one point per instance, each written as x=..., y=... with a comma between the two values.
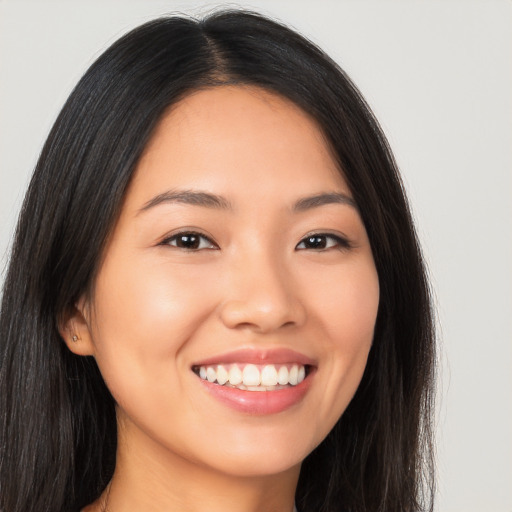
x=190, y=241
x=322, y=241
x=315, y=242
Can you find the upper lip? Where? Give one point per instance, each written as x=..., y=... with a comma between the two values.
x=258, y=356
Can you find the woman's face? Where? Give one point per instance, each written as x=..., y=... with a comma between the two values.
x=239, y=257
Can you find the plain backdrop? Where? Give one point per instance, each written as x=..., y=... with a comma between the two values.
x=438, y=75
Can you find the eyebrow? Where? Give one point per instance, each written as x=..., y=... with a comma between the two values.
x=209, y=200
x=317, y=200
x=192, y=197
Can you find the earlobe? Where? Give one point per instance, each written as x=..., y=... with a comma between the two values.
x=75, y=331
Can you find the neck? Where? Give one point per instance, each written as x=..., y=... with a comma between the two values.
x=148, y=477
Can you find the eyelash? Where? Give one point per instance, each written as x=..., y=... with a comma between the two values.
x=200, y=236
x=340, y=243
x=337, y=242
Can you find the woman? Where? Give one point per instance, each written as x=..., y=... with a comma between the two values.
x=216, y=295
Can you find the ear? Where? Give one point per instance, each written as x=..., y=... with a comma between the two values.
x=75, y=331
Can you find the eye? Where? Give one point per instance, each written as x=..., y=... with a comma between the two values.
x=190, y=241
x=322, y=242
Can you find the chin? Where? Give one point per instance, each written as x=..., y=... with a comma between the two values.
x=259, y=465
x=263, y=456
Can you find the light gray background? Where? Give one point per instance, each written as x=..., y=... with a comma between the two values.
x=439, y=77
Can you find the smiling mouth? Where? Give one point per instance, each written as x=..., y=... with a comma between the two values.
x=254, y=377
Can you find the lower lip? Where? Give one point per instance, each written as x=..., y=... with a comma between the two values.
x=259, y=402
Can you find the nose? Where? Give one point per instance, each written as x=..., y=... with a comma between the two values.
x=261, y=295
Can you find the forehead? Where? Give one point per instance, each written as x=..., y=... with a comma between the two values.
x=238, y=139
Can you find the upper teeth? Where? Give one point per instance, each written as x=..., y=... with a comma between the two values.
x=251, y=375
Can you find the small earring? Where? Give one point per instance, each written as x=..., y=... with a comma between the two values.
x=75, y=338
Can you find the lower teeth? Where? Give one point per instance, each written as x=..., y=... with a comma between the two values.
x=255, y=388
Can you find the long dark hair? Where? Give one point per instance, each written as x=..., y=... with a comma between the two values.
x=58, y=425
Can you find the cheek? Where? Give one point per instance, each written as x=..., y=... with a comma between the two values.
x=142, y=318
x=347, y=305
x=357, y=314
x=345, y=315
x=149, y=301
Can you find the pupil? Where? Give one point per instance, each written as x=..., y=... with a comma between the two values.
x=316, y=242
x=188, y=241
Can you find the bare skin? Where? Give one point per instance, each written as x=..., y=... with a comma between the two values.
x=238, y=232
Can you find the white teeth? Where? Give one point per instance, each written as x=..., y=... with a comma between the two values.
x=235, y=375
x=282, y=375
x=256, y=388
x=293, y=377
x=269, y=375
x=252, y=377
x=211, y=375
x=222, y=375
